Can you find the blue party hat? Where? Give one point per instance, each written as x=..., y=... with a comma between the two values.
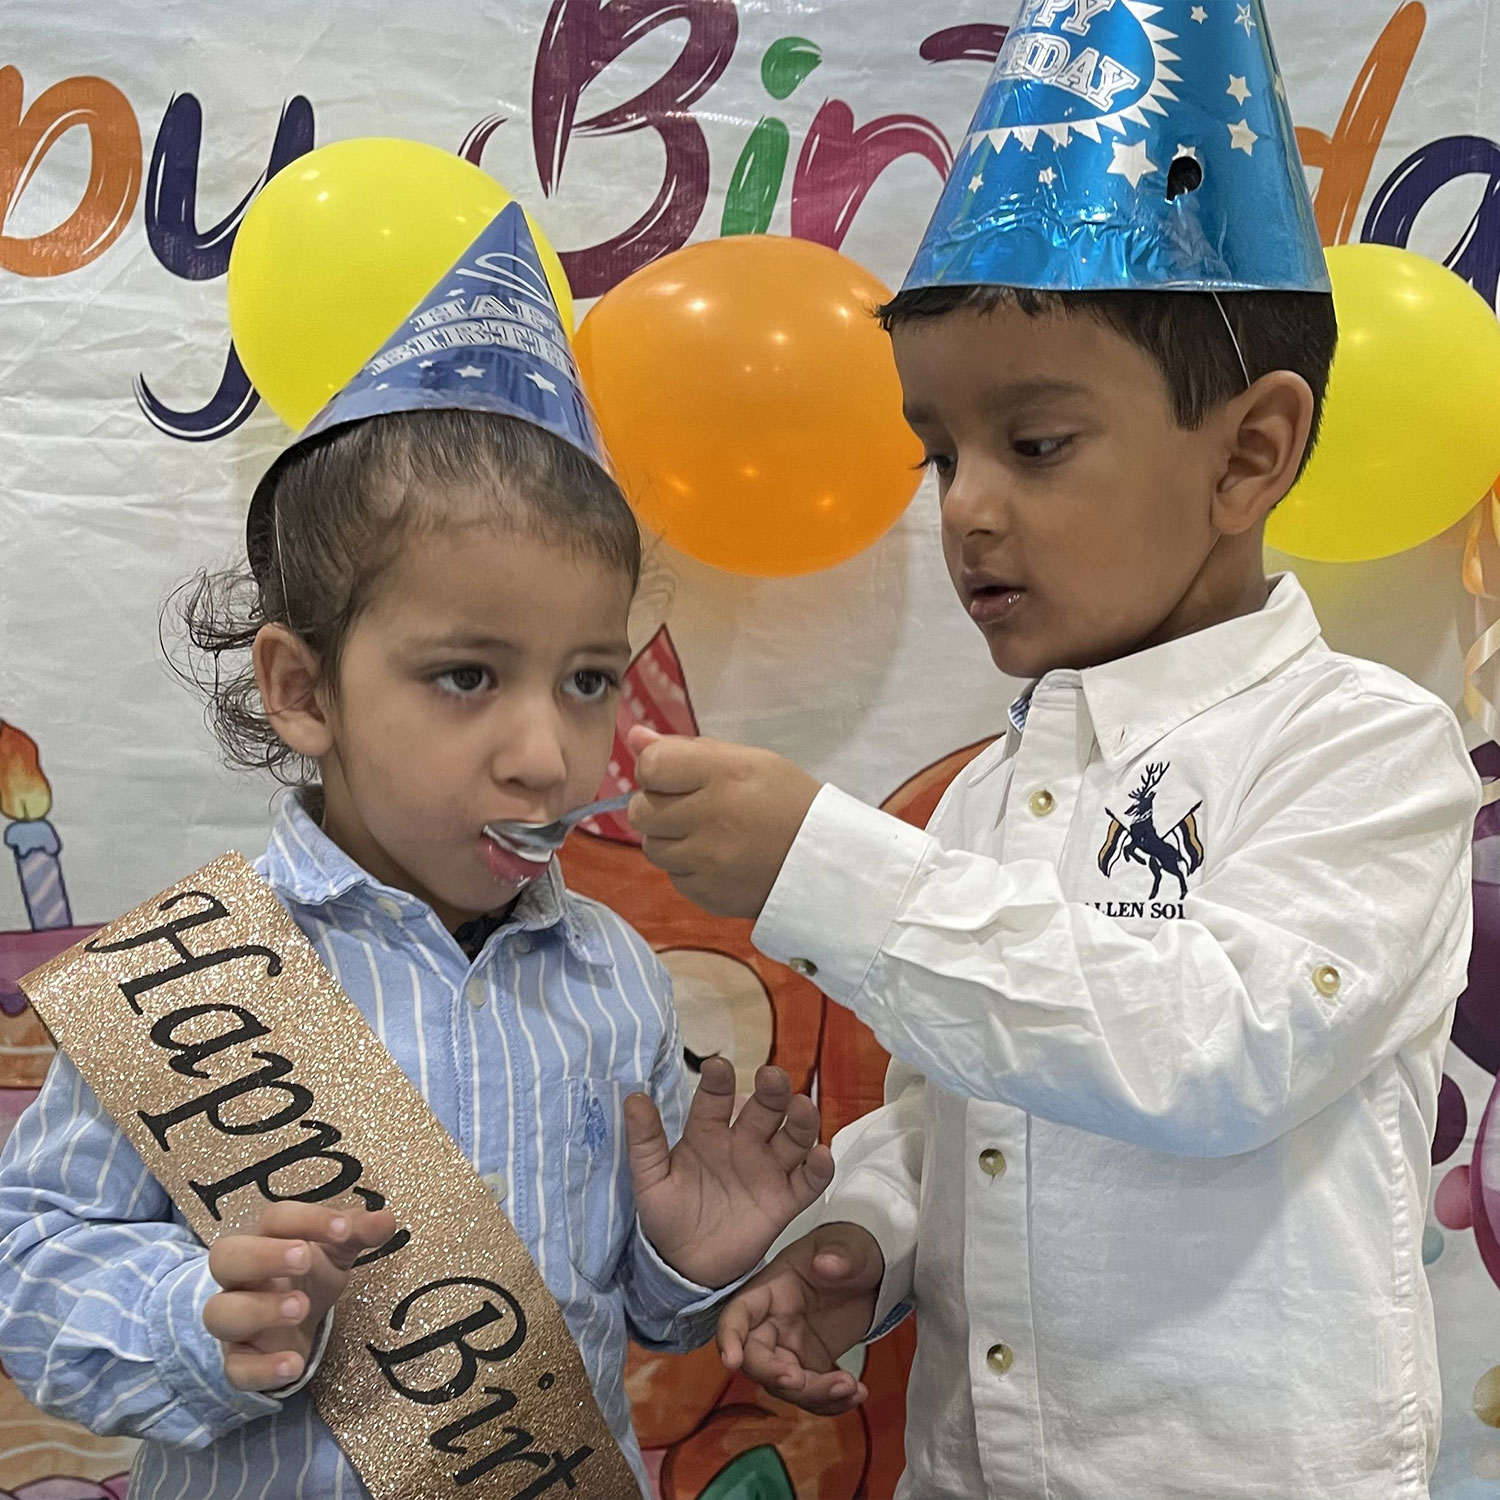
x=1124, y=146
x=488, y=337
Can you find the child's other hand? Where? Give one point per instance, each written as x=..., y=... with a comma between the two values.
x=787, y=1327
x=279, y=1284
x=719, y=819
x=714, y=1204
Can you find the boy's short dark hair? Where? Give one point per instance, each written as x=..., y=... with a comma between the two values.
x=1183, y=332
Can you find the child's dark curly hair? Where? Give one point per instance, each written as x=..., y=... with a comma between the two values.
x=332, y=516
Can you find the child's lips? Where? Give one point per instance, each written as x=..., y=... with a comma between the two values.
x=504, y=865
x=989, y=603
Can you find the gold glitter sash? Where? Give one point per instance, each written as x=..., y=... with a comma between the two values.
x=235, y=1064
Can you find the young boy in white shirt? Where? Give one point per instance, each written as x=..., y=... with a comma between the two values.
x=1169, y=977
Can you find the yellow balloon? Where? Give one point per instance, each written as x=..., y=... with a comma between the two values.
x=1411, y=429
x=339, y=247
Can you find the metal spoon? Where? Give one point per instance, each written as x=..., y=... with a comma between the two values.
x=538, y=842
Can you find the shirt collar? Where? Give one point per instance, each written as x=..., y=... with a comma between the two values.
x=1020, y=709
x=1135, y=701
x=304, y=865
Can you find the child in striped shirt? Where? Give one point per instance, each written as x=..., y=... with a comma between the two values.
x=435, y=614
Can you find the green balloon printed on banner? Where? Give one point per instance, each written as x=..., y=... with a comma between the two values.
x=757, y=1474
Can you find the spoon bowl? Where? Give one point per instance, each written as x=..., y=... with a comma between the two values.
x=538, y=842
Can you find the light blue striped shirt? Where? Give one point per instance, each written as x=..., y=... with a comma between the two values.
x=524, y=1054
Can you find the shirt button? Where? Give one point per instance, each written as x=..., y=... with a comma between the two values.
x=522, y=943
x=992, y=1162
x=1041, y=803
x=476, y=993
x=803, y=966
x=1326, y=980
x=1000, y=1358
x=391, y=908
x=498, y=1184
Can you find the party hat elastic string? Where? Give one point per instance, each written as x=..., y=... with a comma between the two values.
x=1234, y=339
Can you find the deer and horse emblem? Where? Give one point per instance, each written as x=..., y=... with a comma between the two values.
x=1134, y=839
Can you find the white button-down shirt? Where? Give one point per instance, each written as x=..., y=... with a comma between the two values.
x=1167, y=984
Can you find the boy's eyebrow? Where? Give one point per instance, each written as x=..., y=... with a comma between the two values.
x=1020, y=393
x=1008, y=397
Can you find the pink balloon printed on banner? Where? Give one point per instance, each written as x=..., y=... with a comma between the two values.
x=1451, y=1205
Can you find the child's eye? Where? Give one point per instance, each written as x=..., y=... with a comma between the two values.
x=591, y=684
x=463, y=682
x=941, y=464
x=1041, y=447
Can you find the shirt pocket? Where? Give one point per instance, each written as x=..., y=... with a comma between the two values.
x=600, y=1207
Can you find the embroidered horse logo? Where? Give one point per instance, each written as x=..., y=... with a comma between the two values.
x=1134, y=839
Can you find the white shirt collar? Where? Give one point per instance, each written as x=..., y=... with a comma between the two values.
x=1137, y=699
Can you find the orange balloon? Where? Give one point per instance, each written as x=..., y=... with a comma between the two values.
x=749, y=402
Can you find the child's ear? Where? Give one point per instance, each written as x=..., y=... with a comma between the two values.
x=288, y=674
x=1268, y=431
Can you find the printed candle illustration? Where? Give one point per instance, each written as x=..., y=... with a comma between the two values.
x=26, y=798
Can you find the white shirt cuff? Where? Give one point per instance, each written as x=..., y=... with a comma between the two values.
x=838, y=892
x=898, y=1247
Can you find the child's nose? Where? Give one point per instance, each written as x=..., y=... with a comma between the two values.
x=974, y=504
x=531, y=753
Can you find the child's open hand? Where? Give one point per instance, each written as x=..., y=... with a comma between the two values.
x=718, y=818
x=279, y=1284
x=714, y=1204
x=787, y=1326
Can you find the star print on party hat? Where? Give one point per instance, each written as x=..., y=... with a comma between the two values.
x=1121, y=145
x=488, y=337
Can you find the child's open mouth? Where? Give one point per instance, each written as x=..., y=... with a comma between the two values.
x=989, y=602
x=506, y=865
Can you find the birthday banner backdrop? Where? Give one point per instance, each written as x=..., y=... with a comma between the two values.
x=134, y=135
